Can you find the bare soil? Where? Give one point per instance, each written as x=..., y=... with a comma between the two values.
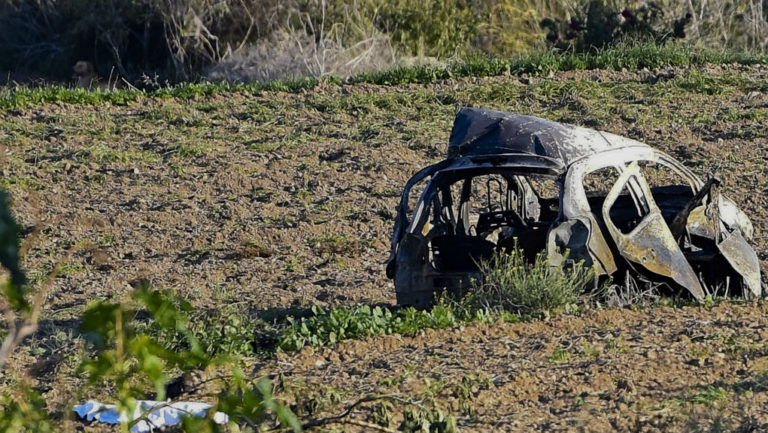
x=661, y=369
x=277, y=201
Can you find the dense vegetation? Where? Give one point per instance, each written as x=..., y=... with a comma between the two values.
x=253, y=40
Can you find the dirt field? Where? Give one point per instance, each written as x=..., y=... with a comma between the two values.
x=274, y=201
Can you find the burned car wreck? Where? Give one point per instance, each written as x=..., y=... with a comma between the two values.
x=619, y=205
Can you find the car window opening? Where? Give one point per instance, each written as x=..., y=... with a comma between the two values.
x=630, y=207
x=473, y=216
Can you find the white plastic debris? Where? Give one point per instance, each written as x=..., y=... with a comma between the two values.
x=166, y=414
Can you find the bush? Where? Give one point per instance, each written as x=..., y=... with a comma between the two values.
x=246, y=40
x=435, y=28
x=174, y=38
x=598, y=25
x=226, y=331
x=528, y=289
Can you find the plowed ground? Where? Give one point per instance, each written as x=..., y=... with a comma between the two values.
x=268, y=203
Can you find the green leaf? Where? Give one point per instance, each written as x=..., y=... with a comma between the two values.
x=99, y=323
x=9, y=255
x=287, y=418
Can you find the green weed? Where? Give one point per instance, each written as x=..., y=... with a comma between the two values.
x=294, y=265
x=560, y=355
x=420, y=419
x=227, y=331
x=191, y=150
x=588, y=350
x=71, y=269
x=336, y=324
x=335, y=243
x=617, y=345
x=23, y=182
x=511, y=284
x=709, y=395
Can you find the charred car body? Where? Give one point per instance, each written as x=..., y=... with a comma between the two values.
x=613, y=202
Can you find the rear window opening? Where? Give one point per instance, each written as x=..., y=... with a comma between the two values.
x=669, y=190
x=630, y=208
x=471, y=216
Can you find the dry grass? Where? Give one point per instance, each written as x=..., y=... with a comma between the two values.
x=247, y=40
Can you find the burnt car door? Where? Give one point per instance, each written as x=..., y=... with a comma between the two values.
x=641, y=235
x=401, y=220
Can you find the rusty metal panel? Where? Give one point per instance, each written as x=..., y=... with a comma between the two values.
x=743, y=259
x=650, y=244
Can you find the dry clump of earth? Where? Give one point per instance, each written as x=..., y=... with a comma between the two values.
x=271, y=202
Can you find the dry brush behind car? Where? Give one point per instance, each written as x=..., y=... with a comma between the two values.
x=619, y=205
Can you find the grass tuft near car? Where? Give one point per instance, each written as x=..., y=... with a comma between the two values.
x=621, y=206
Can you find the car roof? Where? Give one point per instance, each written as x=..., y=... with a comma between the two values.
x=478, y=132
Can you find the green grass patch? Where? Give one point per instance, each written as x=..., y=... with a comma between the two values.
x=631, y=58
x=104, y=154
x=511, y=284
x=335, y=243
x=709, y=395
x=192, y=150
x=14, y=97
x=704, y=83
x=560, y=355
x=22, y=182
x=736, y=115
x=331, y=326
x=227, y=331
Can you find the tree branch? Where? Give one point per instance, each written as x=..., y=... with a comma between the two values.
x=341, y=418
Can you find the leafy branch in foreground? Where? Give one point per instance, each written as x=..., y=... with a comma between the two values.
x=121, y=356
x=14, y=305
x=23, y=409
x=20, y=315
x=128, y=360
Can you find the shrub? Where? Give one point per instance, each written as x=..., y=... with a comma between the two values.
x=335, y=243
x=528, y=289
x=246, y=40
x=435, y=28
x=511, y=26
x=598, y=25
x=225, y=331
